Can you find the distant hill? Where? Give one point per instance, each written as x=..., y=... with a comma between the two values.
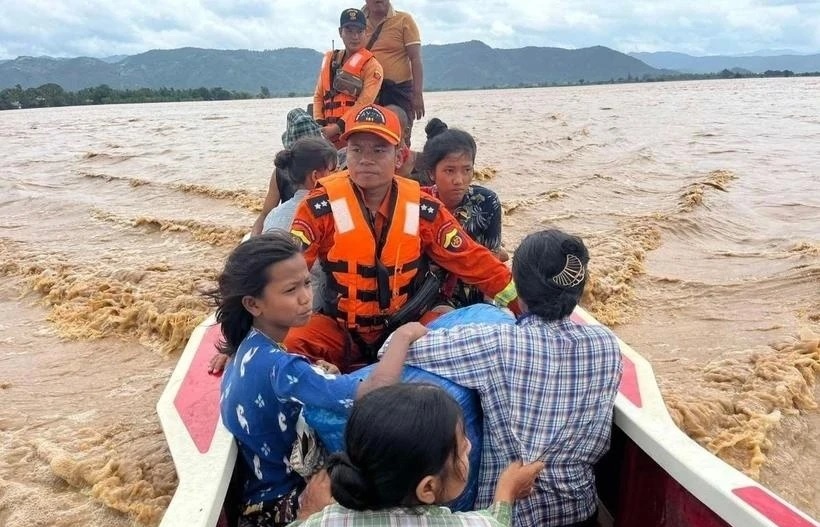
x=451, y=66
x=282, y=70
x=113, y=58
x=712, y=64
x=474, y=64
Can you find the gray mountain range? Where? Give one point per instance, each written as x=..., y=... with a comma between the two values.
x=450, y=66
x=710, y=64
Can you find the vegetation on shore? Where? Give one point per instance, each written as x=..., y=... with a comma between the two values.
x=50, y=95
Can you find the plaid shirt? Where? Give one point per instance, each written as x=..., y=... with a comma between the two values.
x=546, y=388
x=299, y=124
x=500, y=514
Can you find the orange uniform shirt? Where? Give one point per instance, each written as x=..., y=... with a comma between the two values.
x=442, y=238
x=371, y=77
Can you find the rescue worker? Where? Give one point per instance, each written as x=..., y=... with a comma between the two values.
x=349, y=79
x=372, y=231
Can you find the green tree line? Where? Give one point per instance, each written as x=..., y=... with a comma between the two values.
x=49, y=95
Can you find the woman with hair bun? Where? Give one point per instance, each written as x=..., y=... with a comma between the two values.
x=305, y=162
x=300, y=124
x=405, y=456
x=547, y=384
x=302, y=164
x=447, y=162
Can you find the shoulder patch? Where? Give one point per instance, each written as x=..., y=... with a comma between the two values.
x=302, y=232
x=319, y=205
x=428, y=210
x=451, y=238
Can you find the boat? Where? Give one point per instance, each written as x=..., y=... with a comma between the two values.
x=653, y=474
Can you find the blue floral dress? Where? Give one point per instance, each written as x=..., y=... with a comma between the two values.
x=480, y=216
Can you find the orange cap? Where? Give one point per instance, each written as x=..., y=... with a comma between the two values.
x=376, y=120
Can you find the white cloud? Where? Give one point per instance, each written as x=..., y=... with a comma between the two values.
x=100, y=28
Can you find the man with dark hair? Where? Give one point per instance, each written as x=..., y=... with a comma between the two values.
x=547, y=384
x=349, y=79
x=372, y=232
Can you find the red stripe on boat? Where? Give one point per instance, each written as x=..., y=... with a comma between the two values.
x=771, y=507
x=198, y=398
x=629, y=382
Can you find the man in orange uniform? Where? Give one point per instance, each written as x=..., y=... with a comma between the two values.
x=349, y=79
x=371, y=231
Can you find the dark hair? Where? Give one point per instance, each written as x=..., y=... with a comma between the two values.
x=537, y=270
x=304, y=156
x=434, y=127
x=246, y=274
x=441, y=142
x=396, y=436
x=401, y=114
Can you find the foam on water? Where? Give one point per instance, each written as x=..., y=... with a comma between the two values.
x=702, y=225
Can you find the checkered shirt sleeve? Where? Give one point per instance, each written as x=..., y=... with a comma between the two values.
x=546, y=388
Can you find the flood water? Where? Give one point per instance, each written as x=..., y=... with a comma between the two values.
x=700, y=202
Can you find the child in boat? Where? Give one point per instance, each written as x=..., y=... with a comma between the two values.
x=263, y=291
x=547, y=384
x=307, y=160
x=447, y=160
x=405, y=455
x=280, y=188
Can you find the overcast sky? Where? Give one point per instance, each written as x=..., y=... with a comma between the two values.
x=97, y=28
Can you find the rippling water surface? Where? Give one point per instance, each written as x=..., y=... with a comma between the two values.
x=700, y=202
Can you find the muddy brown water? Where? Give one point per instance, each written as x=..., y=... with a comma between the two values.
x=700, y=202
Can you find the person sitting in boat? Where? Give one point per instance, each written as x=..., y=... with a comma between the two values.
x=547, y=385
x=264, y=291
x=407, y=158
x=280, y=188
x=349, y=79
x=405, y=456
x=307, y=160
x=447, y=161
x=370, y=229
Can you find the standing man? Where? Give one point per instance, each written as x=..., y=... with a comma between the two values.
x=349, y=80
x=394, y=38
x=371, y=231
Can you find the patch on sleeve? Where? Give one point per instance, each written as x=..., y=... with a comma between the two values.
x=377, y=75
x=302, y=231
x=319, y=206
x=428, y=210
x=452, y=239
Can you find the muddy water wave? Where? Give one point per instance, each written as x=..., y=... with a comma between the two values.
x=698, y=201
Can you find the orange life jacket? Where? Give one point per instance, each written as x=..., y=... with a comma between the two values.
x=371, y=278
x=336, y=103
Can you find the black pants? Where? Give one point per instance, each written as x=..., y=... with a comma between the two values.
x=400, y=94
